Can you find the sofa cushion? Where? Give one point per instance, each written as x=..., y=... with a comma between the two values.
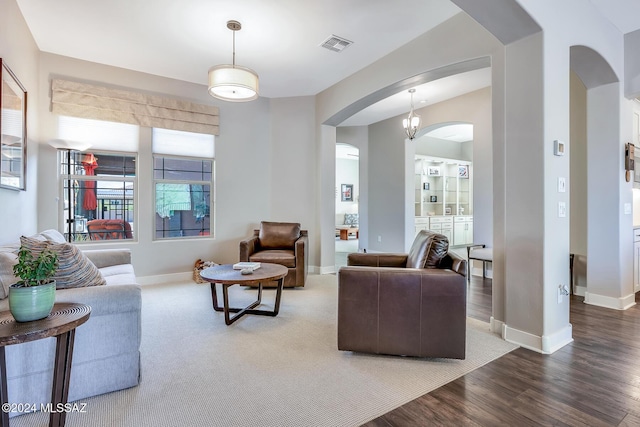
x=275, y=256
x=427, y=250
x=74, y=268
x=120, y=274
x=278, y=235
x=7, y=261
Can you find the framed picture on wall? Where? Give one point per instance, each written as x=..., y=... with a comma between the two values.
x=13, y=129
x=346, y=191
x=433, y=171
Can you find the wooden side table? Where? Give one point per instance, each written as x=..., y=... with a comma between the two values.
x=62, y=324
x=227, y=276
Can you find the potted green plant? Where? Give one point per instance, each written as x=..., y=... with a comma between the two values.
x=33, y=296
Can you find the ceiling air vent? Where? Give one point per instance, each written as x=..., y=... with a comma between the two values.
x=336, y=44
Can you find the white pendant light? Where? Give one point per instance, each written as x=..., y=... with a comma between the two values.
x=233, y=82
x=412, y=123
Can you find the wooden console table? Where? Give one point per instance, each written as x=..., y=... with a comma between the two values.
x=62, y=324
x=344, y=233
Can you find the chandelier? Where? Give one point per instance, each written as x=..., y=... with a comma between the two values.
x=412, y=122
x=233, y=82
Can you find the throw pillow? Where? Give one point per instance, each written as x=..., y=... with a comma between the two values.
x=53, y=236
x=7, y=261
x=351, y=219
x=427, y=250
x=74, y=268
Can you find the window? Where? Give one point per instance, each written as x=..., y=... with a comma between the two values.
x=98, y=185
x=99, y=188
x=182, y=184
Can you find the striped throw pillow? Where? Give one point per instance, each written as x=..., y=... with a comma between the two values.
x=74, y=268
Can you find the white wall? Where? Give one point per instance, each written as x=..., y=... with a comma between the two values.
x=436, y=147
x=264, y=166
x=292, y=162
x=577, y=152
x=18, y=209
x=387, y=201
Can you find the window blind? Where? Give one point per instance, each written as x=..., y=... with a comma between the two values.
x=117, y=105
x=170, y=142
x=98, y=134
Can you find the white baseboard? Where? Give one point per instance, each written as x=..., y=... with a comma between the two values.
x=554, y=342
x=165, y=278
x=496, y=326
x=330, y=269
x=541, y=344
x=580, y=291
x=615, y=303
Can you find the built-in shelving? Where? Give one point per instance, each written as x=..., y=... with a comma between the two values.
x=442, y=187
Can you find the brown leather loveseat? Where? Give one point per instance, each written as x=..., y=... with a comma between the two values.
x=281, y=243
x=411, y=304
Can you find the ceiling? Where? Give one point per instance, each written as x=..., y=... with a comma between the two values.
x=279, y=39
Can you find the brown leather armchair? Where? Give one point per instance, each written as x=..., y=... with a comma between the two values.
x=411, y=304
x=281, y=243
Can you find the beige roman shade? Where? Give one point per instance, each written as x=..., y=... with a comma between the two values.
x=116, y=105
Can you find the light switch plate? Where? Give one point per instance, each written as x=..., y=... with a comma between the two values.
x=627, y=208
x=558, y=148
x=562, y=184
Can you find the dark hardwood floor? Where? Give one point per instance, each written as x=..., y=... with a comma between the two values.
x=594, y=381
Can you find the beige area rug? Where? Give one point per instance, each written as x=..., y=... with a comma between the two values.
x=264, y=371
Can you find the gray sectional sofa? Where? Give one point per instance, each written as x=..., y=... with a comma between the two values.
x=106, y=354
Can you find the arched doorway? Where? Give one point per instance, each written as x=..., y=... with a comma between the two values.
x=595, y=155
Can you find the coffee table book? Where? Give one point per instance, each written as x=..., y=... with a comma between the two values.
x=246, y=265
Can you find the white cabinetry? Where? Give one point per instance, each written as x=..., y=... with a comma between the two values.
x=421, y=224
x=636, y=259
x=462, y=230
x=443, y=198
x=440, y=224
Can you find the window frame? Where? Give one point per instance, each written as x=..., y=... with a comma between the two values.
x=210, y=183
x=65, y=177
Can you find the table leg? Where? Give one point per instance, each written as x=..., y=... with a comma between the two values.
x=344, y=234
x=4, y=398
x=248, y=309
x=214, y=298
x=61, y=376
x=276, y=307
x=241, y=311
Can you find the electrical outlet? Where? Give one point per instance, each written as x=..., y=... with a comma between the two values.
x=562, y=209
x=560, y=293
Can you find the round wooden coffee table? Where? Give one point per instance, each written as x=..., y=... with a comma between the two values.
x=227, y=276
x=62, y=324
